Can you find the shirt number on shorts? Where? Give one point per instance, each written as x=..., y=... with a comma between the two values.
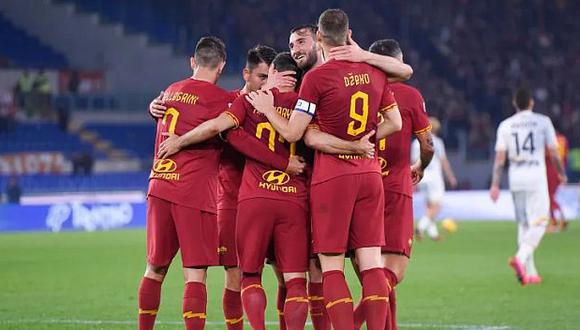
x=359, y=114
x=272, y=137
x=174, y=115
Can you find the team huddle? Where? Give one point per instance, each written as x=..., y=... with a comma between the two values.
x=307, y=164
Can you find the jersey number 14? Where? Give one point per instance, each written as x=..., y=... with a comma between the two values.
x=527, y=145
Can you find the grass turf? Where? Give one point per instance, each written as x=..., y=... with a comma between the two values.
x=79, y=280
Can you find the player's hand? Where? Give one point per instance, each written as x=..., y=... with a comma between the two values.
x=453, y=182
x=563, y=179
x=168, y=147
x=284, y=79
x=262, y=101
x=296, y=165
x=156, y=107
x=416, y=173
x=351, y=52
x=365, y=147
x=494, y=193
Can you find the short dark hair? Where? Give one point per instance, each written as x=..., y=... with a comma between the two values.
x=285, y=62
x=523, y=98
x=387, y=47
x=333, y=26
x=308, y=27
x=210, y=52
x=260, y=54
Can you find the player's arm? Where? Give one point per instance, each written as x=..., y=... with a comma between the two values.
x=392, y=122
x=426, y=152
x=330, y=144
x=448, y=171
x=498, y=165
x=252, y=148
x=395, y=69
x=292, y=129
x=205, y=131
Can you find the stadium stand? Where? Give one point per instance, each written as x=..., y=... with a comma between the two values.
x=22, y=50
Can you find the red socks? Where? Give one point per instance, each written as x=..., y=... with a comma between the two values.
x=233, y=311
x=254, y=300
x=280, y=301
x=375, y=298
x=318, y=313
x=392, y=281
x=194, y=305
x=149, y=297
x=338, y=300
x=296, y=304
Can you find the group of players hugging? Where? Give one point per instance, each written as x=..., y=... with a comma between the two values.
x=307, y=164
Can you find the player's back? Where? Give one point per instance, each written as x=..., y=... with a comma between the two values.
x=189, y=177
x=395, y=151
x=525, y=136
x=347, y=98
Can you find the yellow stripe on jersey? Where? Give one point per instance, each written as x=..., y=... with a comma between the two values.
x=234, y=118
x=391, y=107
x=424, y=130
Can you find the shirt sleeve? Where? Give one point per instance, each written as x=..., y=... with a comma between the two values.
x=420, y=118
x=388, y=102
x=500, y=142
x=308, y=96
x=237, y=110
x=551, y=140
x=252, y=148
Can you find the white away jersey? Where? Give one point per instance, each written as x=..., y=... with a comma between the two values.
x=433, y=172
x=525, y=136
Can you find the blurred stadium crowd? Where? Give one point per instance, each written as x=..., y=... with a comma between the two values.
x=468, y=57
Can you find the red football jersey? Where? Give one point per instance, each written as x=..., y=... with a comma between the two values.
x=345, y=98
x=190, y=176
x=395, y=151
x=259, y=180
x=552, y=172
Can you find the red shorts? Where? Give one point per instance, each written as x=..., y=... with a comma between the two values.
x=347, y=213
x=171, y=227
x=227, y=234
x=398, y=224
x=263, y=222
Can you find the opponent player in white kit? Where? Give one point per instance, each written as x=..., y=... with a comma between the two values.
x=433, y=184
x=522, y=138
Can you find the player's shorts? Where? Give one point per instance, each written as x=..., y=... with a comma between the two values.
x=171, y=227
x=434, y=190
x=398, y=226
x=227, y=234
x=532, y=207
x=263, y=222
x=347, y=213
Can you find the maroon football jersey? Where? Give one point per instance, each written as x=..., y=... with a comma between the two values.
x=395, y=151
x=259, y=180
x=345, y=99
x=190, y=176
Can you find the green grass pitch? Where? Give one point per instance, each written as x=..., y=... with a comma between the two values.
x=89, y=281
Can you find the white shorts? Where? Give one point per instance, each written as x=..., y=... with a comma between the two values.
x=434, y=190
x=532, y=207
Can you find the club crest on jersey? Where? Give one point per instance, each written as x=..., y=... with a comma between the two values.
x=276, y=181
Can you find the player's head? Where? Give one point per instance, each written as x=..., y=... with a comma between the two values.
x=435, y=125
x=333, y=28
x=387, y=47
x=523, y=99
x=258, y=60
x=285, y=62
x=302, y=45
x=210, y=53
